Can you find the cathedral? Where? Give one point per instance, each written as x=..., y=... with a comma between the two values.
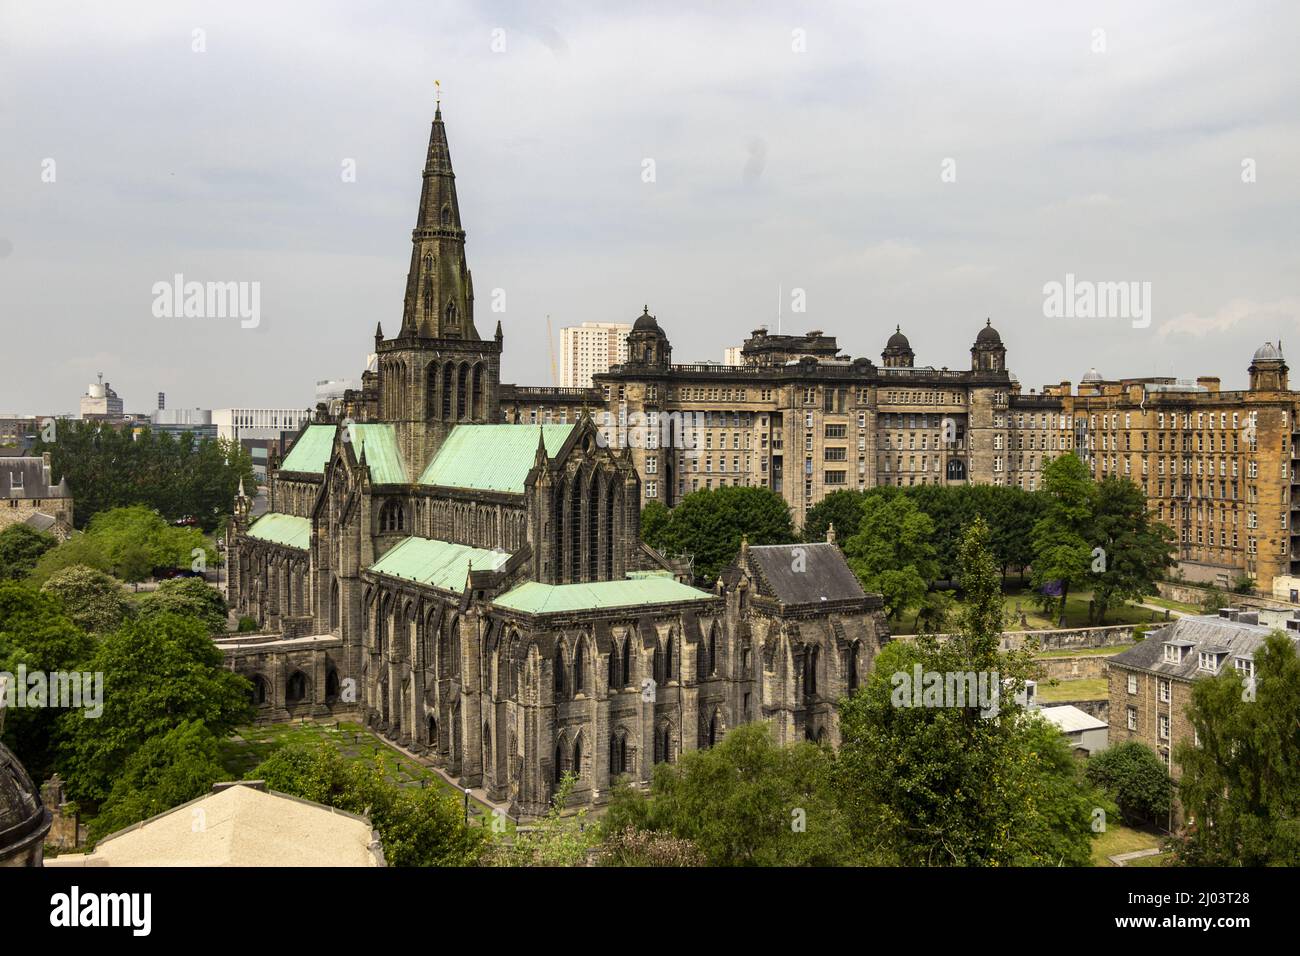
x=477, y=591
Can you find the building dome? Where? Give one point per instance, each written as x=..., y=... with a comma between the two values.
x=1268, y=352
x=898, y=340
x=645, y=322
x=988, y=335
x=24, y=821
x=1092, y=375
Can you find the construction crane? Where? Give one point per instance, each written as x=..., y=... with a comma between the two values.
x=550, y=344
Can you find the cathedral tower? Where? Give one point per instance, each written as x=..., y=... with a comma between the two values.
x=438, y=371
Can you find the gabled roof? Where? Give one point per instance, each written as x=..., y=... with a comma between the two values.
x=311, y=452
x=535, y=598
x=804, y=573
x=440, y=564
x=379, y=444
x=492, y=457
x=27, y=477
x=1204, y=632
x=243, y=826
x=288, y=530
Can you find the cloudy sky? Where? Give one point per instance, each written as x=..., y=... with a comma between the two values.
x=919, y=164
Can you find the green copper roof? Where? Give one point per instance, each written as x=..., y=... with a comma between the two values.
x=289, y=530
x=438, y=563
x=379, y=442
x=491, y=457
x=311, y=451
x=535, y=598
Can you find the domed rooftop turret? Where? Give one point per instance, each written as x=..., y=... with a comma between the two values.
x=1092, y=375
x=645, y=322
x=898, y=340
x=24, y=821
x=988, y=335
x=1268, y=352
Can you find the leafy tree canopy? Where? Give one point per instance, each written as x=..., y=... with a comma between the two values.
x=1240, y=788
x=710, y=523
x=94, y=600
x=158, y=672
x=177, y=475
x=20, y=548
x=418, y=827
x=745, y=802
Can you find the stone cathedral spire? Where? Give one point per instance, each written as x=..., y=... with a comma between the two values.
x=439, y=288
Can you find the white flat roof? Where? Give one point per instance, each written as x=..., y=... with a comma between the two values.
x=1071, y=719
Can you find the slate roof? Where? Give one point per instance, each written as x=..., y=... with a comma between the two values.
x=817, y=575
x=440, y=564
x=288, y=530
x=536, y=598
x=492, y=457
x=27, y=477
x=1203, y=632
x=41, y=521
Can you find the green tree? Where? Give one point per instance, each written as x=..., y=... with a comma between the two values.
x=843, y=509
x=94, y=600
x=36, y=633
x=165, y=772
x=1212, y=600
x=137, y=539
x=418, y=827
x=1135, y=549
x=554, y=840
x=158, y=672
x=655, y=518
x=107, y=468
x=892, y=553
x=709, y=524
x=188, y=597
x=1240, y=787
x=1136, y=779
x=1062, y=552
x=960, y=782
x=746, y=802
x=78, y=551
x=20, y=548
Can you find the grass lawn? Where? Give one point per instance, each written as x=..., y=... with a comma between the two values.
x=1179, y=606
x=1019, y=601
x=250, y=745
x=1121, y=839
x=1067, y=690
x=1086, y=651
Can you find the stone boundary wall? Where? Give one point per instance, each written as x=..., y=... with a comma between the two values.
x=1086, y=667
x=1057, y=640
x=1191, y=594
